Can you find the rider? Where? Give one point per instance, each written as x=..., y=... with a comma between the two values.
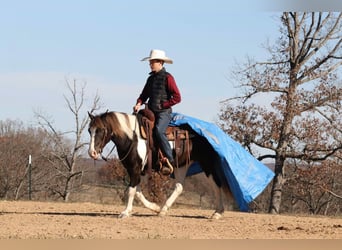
x=162, y=93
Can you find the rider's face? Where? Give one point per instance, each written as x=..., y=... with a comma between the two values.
x=156, y=65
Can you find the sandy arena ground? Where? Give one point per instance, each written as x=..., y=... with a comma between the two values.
x=47, y=220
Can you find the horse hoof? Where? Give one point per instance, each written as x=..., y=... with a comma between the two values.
x=123, y=216
x=156, y=209
x=216, y=216
x=162, y=214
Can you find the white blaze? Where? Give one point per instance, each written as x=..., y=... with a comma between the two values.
x=91, y=150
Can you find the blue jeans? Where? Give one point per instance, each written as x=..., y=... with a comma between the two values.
x=162, y=120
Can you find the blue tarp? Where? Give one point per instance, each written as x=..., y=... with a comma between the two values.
x=246, y=176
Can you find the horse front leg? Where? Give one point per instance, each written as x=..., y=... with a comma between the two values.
x=129, y=205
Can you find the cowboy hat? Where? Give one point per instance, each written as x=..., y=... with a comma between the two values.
x=159, y=55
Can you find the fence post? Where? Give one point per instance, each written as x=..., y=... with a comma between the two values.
x=30, y=177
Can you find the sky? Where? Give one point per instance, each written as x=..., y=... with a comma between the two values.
x=44, y=44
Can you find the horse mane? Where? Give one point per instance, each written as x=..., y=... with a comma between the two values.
x=113, y=121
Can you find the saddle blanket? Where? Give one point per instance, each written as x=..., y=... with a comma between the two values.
x=246, y=176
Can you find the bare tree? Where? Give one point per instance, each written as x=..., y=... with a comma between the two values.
x=17, y=142
x=301, y=80
x=67, y=152
x=12, y=165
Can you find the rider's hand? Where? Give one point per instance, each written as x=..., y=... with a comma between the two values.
x=136, y=107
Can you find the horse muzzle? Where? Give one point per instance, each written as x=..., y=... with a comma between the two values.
x=93, y=154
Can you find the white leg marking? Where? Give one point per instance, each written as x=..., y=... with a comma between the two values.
x=150, y=205
x=176, y=192
x=129, y=207
x=180, y=174
x=216, y=216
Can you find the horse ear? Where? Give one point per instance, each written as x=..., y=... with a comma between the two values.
x=91, y=116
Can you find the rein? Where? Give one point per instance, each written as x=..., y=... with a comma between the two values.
x=105, y=158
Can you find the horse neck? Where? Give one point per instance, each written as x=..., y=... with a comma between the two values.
x=122, y=125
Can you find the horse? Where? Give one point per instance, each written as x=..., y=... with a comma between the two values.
x=123, y=130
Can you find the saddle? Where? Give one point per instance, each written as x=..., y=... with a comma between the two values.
x=179, y=136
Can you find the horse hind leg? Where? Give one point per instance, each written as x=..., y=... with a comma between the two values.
x=219, y=205
x=180, y=174
x=176, y=192
x=221, y=194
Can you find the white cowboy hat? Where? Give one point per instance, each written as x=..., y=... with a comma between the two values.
x=158, y=54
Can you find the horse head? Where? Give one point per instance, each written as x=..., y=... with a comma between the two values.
x=99, y=135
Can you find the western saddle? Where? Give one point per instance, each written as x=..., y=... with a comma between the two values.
x=178, y=136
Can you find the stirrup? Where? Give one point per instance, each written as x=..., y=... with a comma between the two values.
x=167, y=167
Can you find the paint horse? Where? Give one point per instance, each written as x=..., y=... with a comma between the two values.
x=124, y=130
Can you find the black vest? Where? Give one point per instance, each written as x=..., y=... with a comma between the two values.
x=158, y=90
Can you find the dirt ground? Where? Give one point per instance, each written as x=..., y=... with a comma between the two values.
x=48, y=220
